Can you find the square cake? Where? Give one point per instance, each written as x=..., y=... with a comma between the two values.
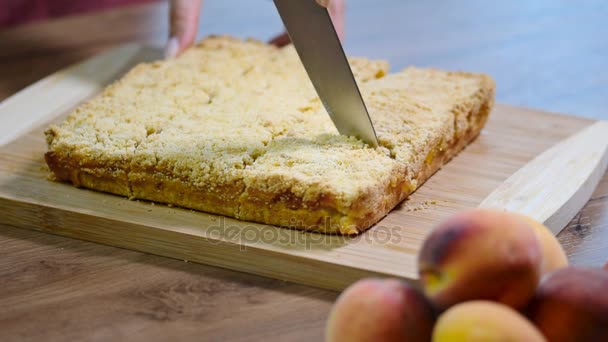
x=235, y=128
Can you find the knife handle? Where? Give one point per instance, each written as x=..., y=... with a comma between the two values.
x=554, y=186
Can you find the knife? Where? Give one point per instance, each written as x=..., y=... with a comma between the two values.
x=313, y=35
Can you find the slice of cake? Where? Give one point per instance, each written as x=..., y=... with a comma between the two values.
x=235, y=128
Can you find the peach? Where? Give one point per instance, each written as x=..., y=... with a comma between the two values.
x=485, y=321
x=480, y=254
x=554, y=256
x=381, y=310
x=571, y=304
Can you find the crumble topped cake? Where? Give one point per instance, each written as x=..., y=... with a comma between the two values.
x=235, y=128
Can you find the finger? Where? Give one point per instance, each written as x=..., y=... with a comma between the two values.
x=281, y=40
x=183, y=16
x=172, y=48
x=336, y=11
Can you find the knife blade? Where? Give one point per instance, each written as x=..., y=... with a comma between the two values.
x=314, y=37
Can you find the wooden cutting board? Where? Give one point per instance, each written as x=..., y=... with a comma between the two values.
x=512, y=137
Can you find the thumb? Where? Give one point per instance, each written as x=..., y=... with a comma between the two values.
x=183, y=16
x=336, y=11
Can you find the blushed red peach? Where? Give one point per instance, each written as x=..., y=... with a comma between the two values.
x=481, y=254
x=571, y=304
x=380, y=310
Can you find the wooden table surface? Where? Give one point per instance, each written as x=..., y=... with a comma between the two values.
x=549, y=55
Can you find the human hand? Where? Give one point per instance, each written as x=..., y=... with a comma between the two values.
x=183, y=21
x=184, y=16
x=336, y=11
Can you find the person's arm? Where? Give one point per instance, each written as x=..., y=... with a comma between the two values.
x=184, y=16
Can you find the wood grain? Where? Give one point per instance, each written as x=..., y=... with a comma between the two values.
x=30, y=52
x=554, y=186
x=390, y=248
x=63, y=289
x=62, y=90
x=544, y=54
